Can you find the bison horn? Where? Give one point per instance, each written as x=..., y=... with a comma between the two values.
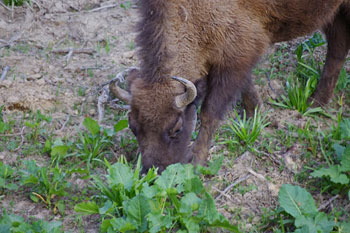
x=190, y=94
x=116, y=90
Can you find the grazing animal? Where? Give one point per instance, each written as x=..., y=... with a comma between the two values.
x=205, y=49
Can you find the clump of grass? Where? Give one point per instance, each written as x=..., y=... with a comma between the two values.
x=297, y=97
x=247, y=129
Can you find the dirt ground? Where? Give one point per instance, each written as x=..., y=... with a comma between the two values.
x=35, y=43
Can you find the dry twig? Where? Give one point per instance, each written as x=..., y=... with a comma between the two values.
x=102, y=100
x=64, y=124
x=87, y=51
x=323, y=206
x=69, y=55
x=23, y=138
x=103, y=7
x=232, y=185
x=6, y=7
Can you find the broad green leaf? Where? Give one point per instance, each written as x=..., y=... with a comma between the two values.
x=213, y=168
x=222, y=222
x=344, y=227
x=3, y=127
x=345, y=160
x=194, y=185
x=189, y=203
x=122, y=225
x=207, y=209
x=60, y=150
x=339, y=149
x=87, y=208
x=53, y=227
x=121, y=174
x=2, y=183
x=296, y=201
x=192, y=225
x=122, y=124
x=137, y=208
x=345, y=129
x=319, y=223
x=107, y=206
x=91, y=125
x=158, y=222
x=149, y=191
x=173, y=176
x=333, y=172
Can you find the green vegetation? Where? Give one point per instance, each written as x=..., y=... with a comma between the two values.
x=13, y=223
x=246, y=129
x=175, y=200
x=300, y=205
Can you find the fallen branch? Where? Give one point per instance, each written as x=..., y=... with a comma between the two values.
x=6, y=7
x=64, y=124
x=86, y=51
x=323, y=206
x=240, y=180
x=4, y=73
x=102, y=8
x=22, y=139
x=222, y=193
x=102, y=100
x=119, y=106
x=69, y=55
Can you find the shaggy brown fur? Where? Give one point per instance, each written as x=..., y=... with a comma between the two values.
x=220, y=42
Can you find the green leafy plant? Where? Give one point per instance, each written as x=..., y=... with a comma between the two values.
x=338, y=174
x=247, y=129
x=36, y=125
x=126, y=5
x=302, y=84
x=94, y=142
x=16, y=224
x=174, y=201
x=299, y=204
x=297, y=97
x=3, y=125
x=15, y=2
x=46, y=183
x=6, y=175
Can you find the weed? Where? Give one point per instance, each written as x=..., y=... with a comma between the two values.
x=15, y=2
x=36, y=126
x=297, y=97
x=6, y=175
x=14, y=223
x=45, y=182
x=300, y=205
x=302, y=84
x=175, y=200
x=126, y=5
x=247, y=130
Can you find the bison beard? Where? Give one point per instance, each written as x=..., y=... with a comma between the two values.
x=215, y=43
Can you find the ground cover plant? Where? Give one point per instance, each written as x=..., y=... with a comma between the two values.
x=69, y=163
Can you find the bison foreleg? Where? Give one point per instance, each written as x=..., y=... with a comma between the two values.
x=338, y=37
x=224, y=87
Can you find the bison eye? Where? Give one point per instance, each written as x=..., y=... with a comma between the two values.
x=176, y=130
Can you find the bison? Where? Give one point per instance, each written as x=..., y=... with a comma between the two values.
x=193, y=50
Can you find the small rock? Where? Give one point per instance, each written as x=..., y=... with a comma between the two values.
x=41, y=81
x=33, y=77
x=92, y=112
x=128, y=55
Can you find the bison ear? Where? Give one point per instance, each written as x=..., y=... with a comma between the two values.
x=117, y=91
x=134, y=74
x=202, y=87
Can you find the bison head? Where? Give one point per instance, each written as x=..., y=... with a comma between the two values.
x=162, y=117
